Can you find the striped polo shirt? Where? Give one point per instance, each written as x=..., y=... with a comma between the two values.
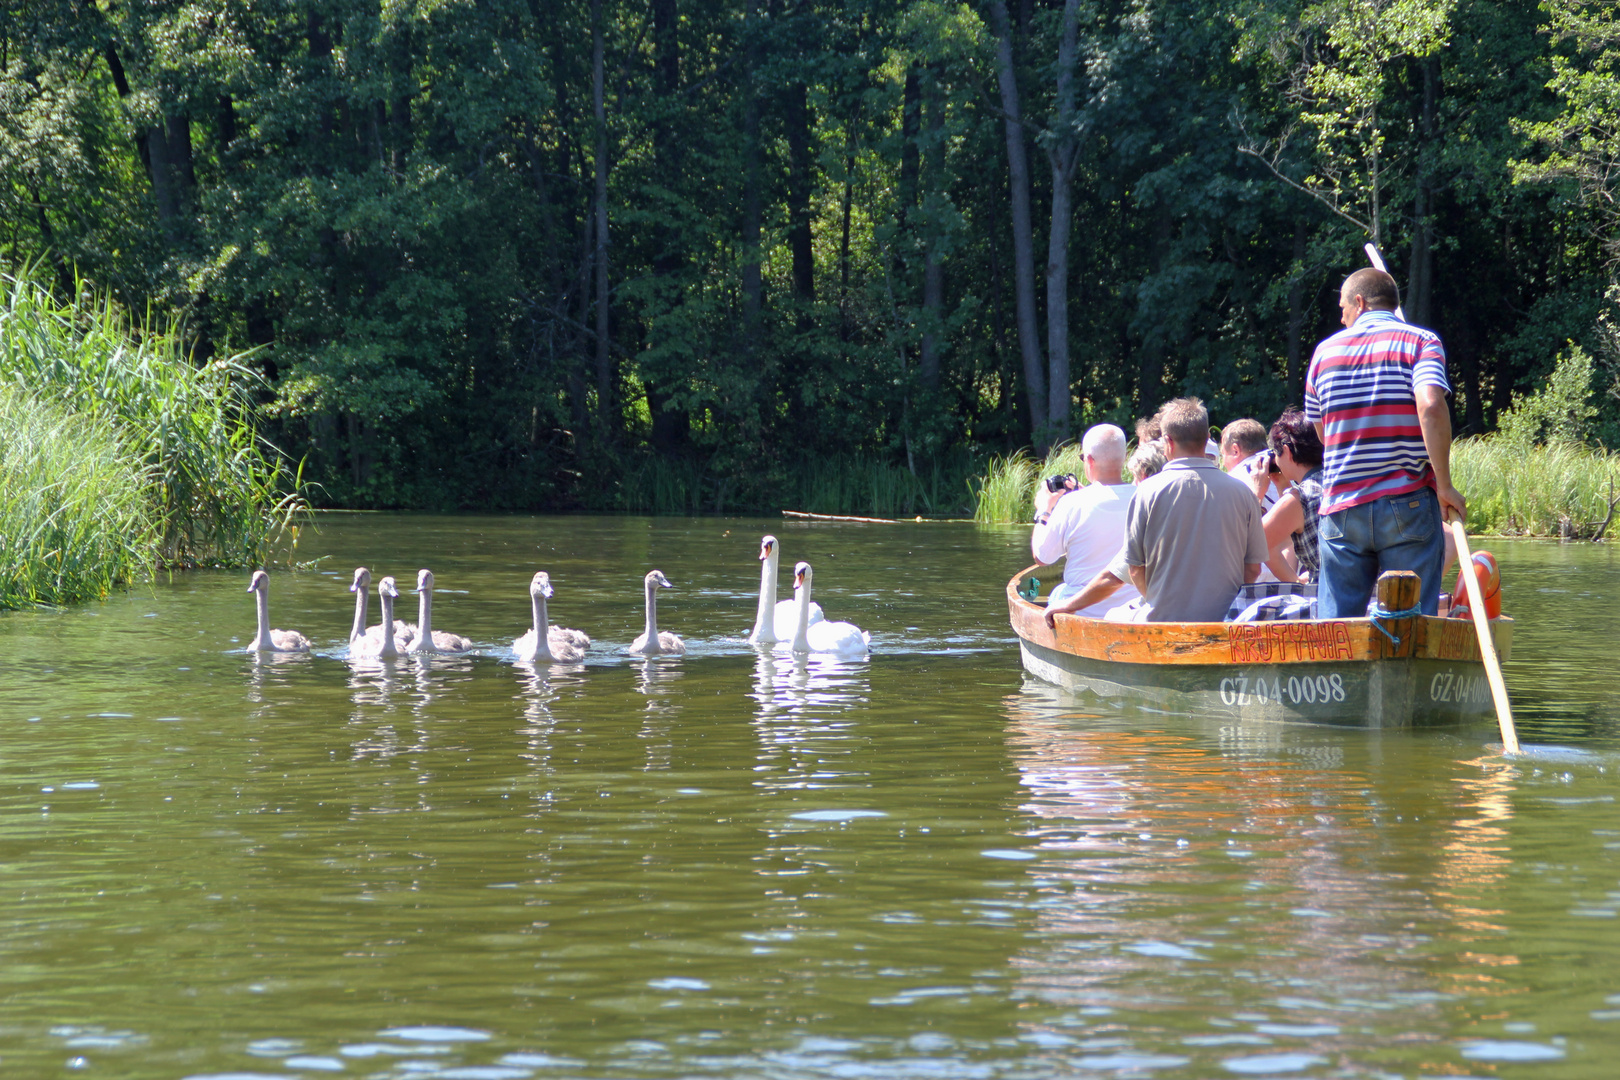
x=1362, y=389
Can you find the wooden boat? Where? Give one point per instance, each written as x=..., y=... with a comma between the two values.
x=1348, y=672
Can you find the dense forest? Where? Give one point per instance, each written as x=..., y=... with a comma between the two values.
x=694, y=254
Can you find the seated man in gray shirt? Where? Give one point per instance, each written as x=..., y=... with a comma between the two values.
x=1193, y=533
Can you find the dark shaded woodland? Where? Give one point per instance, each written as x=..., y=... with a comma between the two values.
x=506, y=253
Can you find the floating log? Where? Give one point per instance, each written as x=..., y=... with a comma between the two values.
x=840, y=517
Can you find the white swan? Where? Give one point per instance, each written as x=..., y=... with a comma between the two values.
x=429, y=640
x=784, y=620
x=652, y=641
x=382, y=646
x=268, y=640
x=842, y=638
x=404, y=632
x=546, y=642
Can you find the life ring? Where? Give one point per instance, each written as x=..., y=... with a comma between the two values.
x=1489, y=576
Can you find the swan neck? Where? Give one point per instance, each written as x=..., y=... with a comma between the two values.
x=387, y=603
x=359, y=626
x=652, y=612
x=424, y=614
x=263, y=637
x=765, y=619
x=801, y=634
x=542, y=625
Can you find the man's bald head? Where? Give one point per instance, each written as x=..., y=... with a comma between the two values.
x=1375, y=287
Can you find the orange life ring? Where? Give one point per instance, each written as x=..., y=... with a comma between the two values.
x=1489, y=576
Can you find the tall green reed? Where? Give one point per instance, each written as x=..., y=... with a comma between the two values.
x=218, y=492
x=75, y=517
x=1006, y=492
x=1556, y=489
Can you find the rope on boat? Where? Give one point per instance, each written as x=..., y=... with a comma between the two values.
x=1379, y=612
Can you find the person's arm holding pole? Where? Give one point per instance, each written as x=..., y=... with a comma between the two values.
x=1434, y=417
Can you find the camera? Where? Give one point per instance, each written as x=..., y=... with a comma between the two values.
x=1272, y=467
x=1058, y=483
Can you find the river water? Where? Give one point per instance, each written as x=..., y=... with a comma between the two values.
x=732, y=864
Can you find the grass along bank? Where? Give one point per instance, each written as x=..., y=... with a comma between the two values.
x=119, y=454
x=1555, y=489
x=1006, y=492
x=74, y=514
x=1560, y=488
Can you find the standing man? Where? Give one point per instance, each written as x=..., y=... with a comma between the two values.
x=1193, y=533
x=1376, y=392
x=1085, y=526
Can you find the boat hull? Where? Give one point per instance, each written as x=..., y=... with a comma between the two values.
x=1344, y=672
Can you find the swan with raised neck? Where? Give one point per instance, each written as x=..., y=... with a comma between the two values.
x=383, y=646
x=774, y=620
x=268, y=640
x=544, y=642
x=842, y=638
x=404, y=632
x=429, y=640
x=655, y=642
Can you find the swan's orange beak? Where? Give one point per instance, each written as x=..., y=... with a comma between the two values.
x=798, y=579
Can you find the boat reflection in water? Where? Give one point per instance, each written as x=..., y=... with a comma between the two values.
x=1253, y=886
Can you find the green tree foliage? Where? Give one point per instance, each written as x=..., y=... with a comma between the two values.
x=807, y=255
x=1559, y=412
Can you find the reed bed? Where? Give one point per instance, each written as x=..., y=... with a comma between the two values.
x=214, y=490
x=1557, y=489
x=74, y=513
x=1006, y=492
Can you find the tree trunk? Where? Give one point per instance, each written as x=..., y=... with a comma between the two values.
x=800, y=187
x=671, y=426
x=153, y=145
x=843, y=243
x=226, y=121
x=753, y=285
x=1023, y=236
x=933, y=155
x=1297, y=312
x=604, y=354
x=1063, y=153
x=1420, y=275
x=910, y=152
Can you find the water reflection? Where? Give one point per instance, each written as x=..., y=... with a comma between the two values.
x=372, y=681
x=1147, y=840
x=434, y=675
x=266, y=669
x=787, y=682
x=657, y=679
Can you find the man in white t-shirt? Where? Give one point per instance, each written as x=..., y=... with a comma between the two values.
x=1243, y=452
x=1086, y=526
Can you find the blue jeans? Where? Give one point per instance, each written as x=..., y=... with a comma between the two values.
x=1397, y=532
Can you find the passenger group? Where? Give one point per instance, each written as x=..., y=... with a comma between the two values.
x=1330, y=496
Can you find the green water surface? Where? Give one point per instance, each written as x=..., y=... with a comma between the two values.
x=739, y=864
